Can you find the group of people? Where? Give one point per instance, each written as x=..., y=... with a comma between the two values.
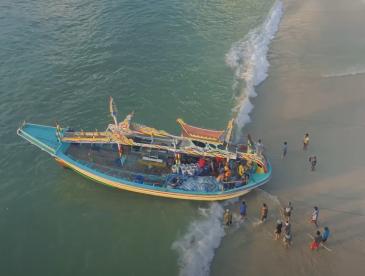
x=235, y=173
x=283, y=229
x=320, y=238
x=312, y=159
x=287, y=237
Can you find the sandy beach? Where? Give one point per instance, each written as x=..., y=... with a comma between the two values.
x=316, y=85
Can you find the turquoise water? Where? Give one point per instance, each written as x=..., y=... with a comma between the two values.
x=60, y=61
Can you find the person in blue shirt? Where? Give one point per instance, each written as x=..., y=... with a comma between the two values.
x=243, y=209
x=325, y=234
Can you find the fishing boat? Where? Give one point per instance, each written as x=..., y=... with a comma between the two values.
x=199, y=164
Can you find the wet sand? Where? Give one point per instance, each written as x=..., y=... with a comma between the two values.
x=316, y=84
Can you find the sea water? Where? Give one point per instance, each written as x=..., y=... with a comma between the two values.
x=60, y=61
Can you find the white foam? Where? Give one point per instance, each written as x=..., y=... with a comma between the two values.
x=248, y=60
x=196, y=248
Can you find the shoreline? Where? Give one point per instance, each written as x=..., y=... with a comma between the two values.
x=297, y=98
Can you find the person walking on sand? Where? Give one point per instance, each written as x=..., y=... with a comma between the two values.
x=284, y=150
x=243, y=209
x=287, y=211
x=305, y=141
x=263, y=212
x=227, y=217
x=316, y=241
x=325, y=235
x=279, y=226
x=313, y=162
x=315, y=215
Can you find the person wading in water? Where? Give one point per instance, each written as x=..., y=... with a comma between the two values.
x=287, y=211
x=279, y=226
x=243, y=209
x=263, y=212
x=227, y=217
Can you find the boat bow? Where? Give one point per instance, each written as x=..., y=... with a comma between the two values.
x=44, y=137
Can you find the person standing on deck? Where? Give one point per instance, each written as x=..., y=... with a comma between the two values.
x=306, y=141
x=284, y=150
x=201, y=163
x=227, y=173
x=313, y=162
x=212, y=167
x=263, y=212
x=315, y=215
x=243, y=209
x=221, y=174
x=240, y=170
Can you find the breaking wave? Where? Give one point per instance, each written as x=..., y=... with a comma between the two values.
x=248, y=60
x=196, y=247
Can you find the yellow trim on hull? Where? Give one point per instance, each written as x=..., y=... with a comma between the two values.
x=130, y=188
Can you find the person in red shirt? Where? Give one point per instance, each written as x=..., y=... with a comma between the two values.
x=201, y=163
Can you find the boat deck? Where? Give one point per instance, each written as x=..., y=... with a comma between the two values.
x=133, y=165
x=143, y=166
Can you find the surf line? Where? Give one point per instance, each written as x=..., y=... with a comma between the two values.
x=248, y=60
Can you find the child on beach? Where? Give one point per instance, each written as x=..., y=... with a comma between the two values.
x=263, y=212
x=284, y=150
x=279, y=226
x=313, y=161
x=305, y=141
x=315, y=214
x=316, y=241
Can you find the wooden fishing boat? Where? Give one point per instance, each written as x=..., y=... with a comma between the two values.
x=200, y=164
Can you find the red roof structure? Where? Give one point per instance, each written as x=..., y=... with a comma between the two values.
x=215, y=136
